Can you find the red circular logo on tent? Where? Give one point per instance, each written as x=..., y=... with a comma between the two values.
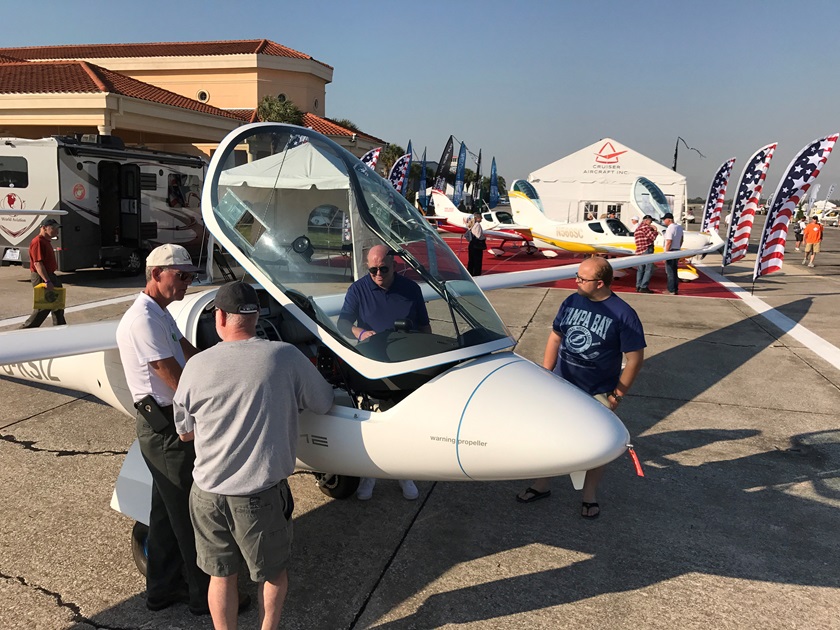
x=79, y=191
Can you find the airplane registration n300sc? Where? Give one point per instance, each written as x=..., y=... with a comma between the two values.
x=409, y=405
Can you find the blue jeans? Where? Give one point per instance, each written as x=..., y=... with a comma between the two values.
x=644, y=272
x=673, y=279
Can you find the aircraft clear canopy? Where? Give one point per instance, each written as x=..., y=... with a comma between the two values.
x=300, y=212
x=650, y=199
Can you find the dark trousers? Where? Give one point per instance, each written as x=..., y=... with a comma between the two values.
x=171, y=542
x=38, y=316
x=475, y=255
x=673, y=278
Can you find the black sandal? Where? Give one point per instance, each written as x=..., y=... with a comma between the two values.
x=585, y=507
x=535, y=495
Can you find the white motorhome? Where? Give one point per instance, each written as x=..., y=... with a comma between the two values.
x=120, y=202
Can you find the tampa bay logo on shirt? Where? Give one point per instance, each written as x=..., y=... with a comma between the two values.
x=583, y=328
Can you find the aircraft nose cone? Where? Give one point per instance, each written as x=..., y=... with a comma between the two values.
x=523, y=422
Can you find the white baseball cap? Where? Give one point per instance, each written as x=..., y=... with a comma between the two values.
x=170, y=255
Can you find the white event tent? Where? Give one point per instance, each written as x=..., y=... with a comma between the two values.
x=599, y=178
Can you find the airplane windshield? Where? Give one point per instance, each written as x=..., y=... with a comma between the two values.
x=298, y=210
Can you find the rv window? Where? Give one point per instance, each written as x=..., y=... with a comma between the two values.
x=14, y=172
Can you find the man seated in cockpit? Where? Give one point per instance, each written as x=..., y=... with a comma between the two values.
x=373, y=303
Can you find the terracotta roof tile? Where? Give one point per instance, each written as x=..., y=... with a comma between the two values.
x=6, y=59
x=158, y=49
x=57, y=77
x=313, y=121
x=329, y=128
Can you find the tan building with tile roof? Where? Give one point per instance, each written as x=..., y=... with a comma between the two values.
x=175, y=96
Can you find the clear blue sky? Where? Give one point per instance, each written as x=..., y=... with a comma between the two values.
x=527, y=82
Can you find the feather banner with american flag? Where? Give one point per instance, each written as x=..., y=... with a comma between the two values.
x=744, y=204
x=714, y=202
x=371, y=158
x=399, y=171
x=800, y=176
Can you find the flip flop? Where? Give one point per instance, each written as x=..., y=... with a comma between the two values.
x=535, y=495
x=585, y=507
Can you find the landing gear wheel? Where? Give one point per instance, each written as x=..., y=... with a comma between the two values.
x=139, y=546
x=337, y=486
x=136, y=263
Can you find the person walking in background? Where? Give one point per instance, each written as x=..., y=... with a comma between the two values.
x=813, y=237
x=594, y=331
x=476, y=244
x=645, y=235
x=799, y=226
x=42, y=268
x=673, y=241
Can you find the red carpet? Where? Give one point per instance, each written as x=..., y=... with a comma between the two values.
x=702, y=287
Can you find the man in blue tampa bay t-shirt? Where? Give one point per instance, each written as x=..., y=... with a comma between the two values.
x=593, y=331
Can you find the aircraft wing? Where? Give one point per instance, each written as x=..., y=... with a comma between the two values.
x=551, y=274
x=31, y=212
x=577, y=247
x=20, y=346
x=507, y=236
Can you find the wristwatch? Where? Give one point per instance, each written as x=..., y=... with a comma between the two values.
x=616, y=396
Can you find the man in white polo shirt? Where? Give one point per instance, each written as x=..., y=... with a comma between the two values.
x=153, y=353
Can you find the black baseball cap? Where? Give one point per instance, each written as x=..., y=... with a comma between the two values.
x=646, y=217
x=48, y=222
x=668, y=215
x=237, y=297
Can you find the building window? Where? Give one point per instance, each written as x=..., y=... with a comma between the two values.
x=316, y=104
x=281, y=98
x=202, y=96
x=614, y=207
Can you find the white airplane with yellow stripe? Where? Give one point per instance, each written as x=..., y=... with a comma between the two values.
x=598, y=236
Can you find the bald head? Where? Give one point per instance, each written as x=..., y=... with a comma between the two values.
x=379, y=252
x=597, y=268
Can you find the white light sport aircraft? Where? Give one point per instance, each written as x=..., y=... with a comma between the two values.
x=497, y=224
x=604, y=236
x=409, y=405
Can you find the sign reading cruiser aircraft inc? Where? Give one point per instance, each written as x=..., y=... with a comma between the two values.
x=599, y=178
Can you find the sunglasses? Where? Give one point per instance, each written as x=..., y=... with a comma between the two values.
x=183, y=276
x=382, y=270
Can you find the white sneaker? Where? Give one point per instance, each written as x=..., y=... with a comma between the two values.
x=365, y=490
x=797, y=249
x=409, y=490
x=810, y=264
x=805, y=262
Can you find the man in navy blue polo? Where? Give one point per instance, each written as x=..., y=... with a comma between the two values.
x=372, y=305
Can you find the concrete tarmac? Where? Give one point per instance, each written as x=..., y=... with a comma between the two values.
x=734, y=524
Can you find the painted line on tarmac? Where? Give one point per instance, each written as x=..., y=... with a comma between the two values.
x=74, y=309
x=810, y=340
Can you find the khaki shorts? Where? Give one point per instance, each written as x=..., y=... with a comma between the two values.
x=812, y=247
x=256, y=528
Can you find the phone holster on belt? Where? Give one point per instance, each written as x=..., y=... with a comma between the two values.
x=152, y=412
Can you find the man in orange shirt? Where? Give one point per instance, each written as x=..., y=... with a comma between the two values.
x=813, y=236
x=42, y=267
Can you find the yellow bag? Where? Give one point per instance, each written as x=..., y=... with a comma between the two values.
x=48, y=300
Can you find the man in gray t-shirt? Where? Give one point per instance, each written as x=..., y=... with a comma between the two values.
x=239, y=402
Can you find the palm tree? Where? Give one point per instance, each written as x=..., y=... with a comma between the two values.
x=272, y=109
